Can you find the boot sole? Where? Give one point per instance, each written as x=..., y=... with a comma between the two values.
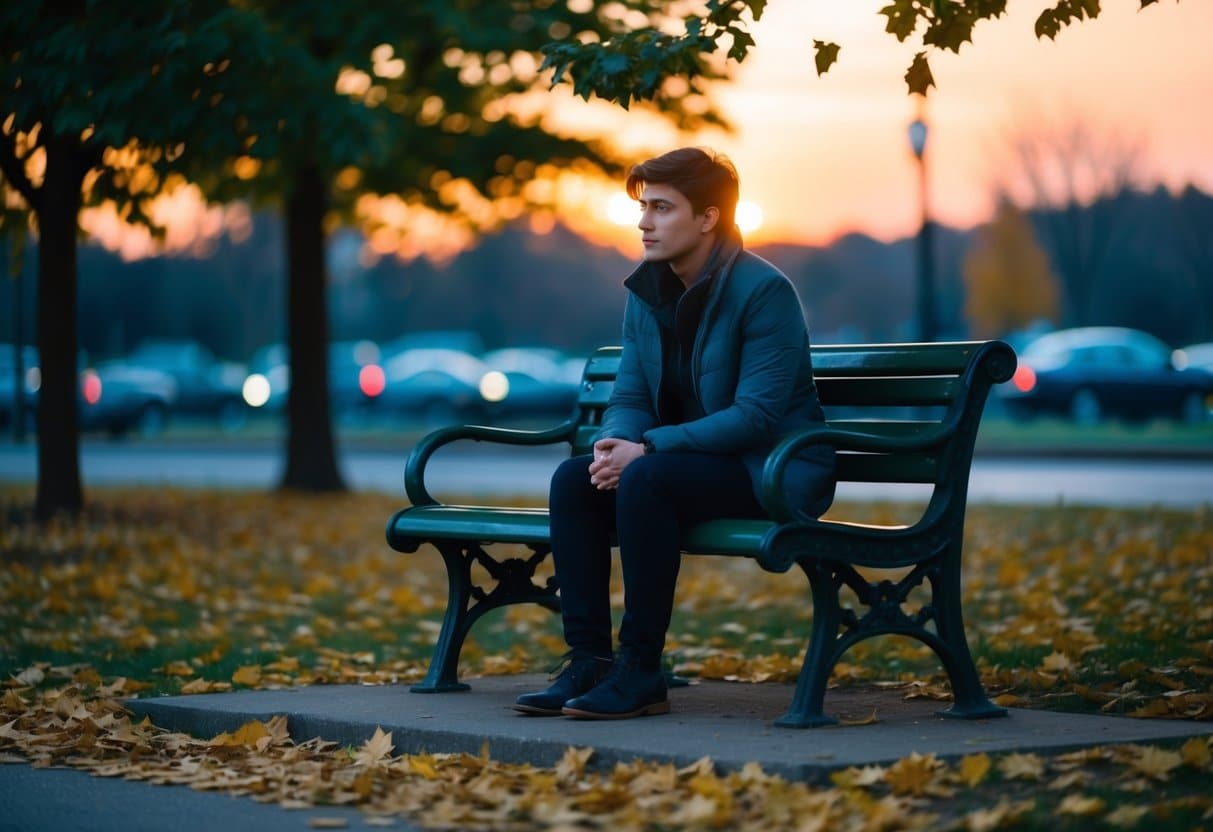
x=534, y=710
x=645, y=710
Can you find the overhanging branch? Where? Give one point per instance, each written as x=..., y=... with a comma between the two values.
x=13, y=168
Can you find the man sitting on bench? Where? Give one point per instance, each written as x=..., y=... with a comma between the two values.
x=715, y=370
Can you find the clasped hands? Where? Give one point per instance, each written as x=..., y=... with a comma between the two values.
x=611, y=456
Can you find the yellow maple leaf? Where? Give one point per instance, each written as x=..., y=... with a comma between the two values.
x=572, y=764
x=423, y=764
x=247, y=735
x=1069, y=780
x=913, y=774
x=1126, y=816
x=1079, y=805
x=866, y=720
x=1156, y=763
x=974, y=768
x=177, y=668
x=987, y=820
x=855, y=777
x=204, y=686
x=376, y=750
x=1021, y=767
x=248, y=675
x=1196, y=752
x=1057, y=662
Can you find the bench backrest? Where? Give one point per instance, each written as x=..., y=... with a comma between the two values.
x=883, y=389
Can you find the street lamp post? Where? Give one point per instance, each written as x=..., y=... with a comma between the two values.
x=926, y=267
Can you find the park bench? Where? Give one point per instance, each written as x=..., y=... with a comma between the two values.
x=897, y=413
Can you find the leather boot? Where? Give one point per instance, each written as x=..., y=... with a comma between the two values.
x=630, y=689
x=576, y=677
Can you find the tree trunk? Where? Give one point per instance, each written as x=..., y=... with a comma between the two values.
x=59, y=489
x=311, y=457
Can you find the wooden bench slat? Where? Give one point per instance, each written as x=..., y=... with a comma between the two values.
x=727, y=537
x=889, y=392
x=484, y=523
x=887, y=468
x=891, y=359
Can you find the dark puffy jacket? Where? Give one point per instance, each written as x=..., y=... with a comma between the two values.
x=752, y=370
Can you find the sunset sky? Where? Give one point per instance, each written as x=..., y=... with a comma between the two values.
x=824, y=156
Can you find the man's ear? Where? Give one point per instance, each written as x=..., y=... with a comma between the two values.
x=711, y=215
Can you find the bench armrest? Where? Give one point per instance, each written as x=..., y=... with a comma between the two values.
x=773, y=497
x=414, y=469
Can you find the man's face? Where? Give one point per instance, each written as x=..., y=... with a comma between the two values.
x=670, y=229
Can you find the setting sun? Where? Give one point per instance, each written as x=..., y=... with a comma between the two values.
x=749, y=216
x=623, y=210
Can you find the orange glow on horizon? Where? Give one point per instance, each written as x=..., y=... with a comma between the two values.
x=825, y=156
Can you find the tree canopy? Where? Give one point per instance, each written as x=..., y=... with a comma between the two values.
x=633, y=65
x=94, y=95
x=306, y=105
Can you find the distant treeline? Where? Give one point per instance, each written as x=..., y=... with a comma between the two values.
x=1148, y=257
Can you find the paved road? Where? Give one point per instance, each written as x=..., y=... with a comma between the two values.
x=467, y=469
x=63, y=800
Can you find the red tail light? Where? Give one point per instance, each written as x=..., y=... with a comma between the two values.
x=1024, y=378
x=371, y=380
x=91, y=387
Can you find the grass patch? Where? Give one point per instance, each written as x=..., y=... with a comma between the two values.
x=151, y=592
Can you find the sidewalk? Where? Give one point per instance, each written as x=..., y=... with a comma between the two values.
x=728, y=722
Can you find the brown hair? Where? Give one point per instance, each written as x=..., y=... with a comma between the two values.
x=706, y=178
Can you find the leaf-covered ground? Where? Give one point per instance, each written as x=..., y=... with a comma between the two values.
x=1084, y=609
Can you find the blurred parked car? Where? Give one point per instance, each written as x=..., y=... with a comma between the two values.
x=432, y=387
x=205, y=386
x=1199, y=356
x=113, y=397
x=355, y=377
x=120, y=398
x=30, y=381
x=528, y=383
x=1092, y=373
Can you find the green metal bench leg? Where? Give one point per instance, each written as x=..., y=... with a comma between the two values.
x=466, y=602
x=443, y=675
x=969, y=697
x=806, y=710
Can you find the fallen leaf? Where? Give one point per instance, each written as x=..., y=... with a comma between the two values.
x=1080, y=806
x=573, y=762
x=1021, y=767
x=974, y=768
x=247, y=675
x=246, y=735
x=1156, y=763
x=913, y=774
x=867, y=720
x=1126, y=816
x=375, y=750
x=1196, y=753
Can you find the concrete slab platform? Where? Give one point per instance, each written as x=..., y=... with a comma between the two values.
x=732, y=723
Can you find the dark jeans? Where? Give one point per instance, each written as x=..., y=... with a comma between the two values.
x=659, y=496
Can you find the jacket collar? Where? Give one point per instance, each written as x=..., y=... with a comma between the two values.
x=650, y=282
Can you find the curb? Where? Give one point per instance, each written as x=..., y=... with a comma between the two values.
x=728, y=722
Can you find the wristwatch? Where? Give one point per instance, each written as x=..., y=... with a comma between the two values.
x=648, y=447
